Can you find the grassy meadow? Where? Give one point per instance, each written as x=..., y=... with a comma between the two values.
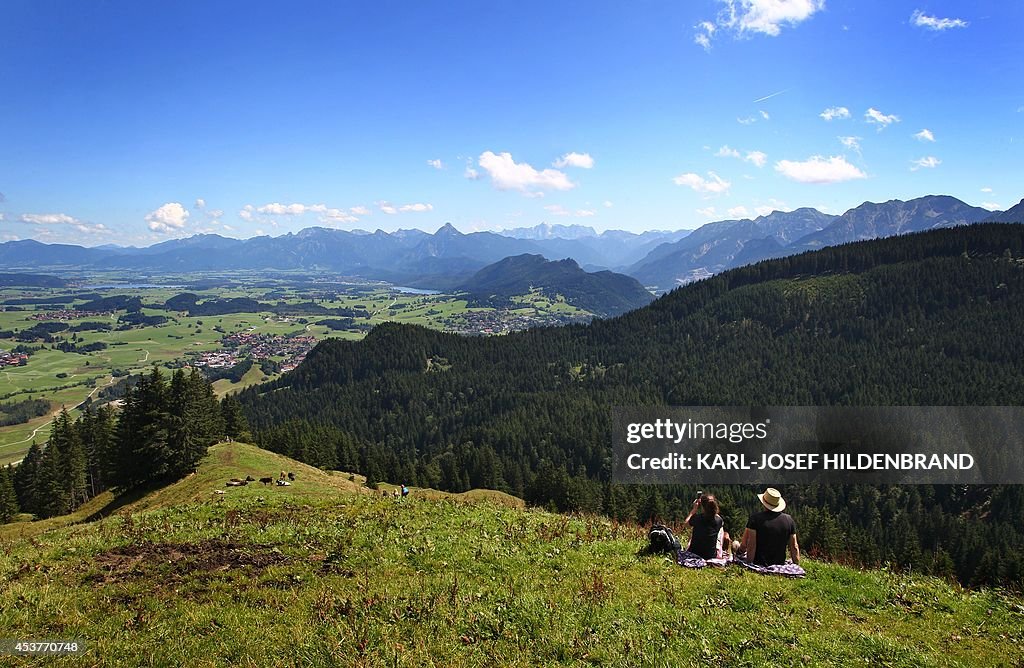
x=328, y=573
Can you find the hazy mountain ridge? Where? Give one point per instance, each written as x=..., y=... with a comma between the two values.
x=446, y=258
x=723, y=245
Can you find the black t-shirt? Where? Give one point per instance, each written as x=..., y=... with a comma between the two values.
x=773, y=532
x=705, y=535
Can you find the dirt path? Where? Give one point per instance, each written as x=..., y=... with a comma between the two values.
x=54, y=413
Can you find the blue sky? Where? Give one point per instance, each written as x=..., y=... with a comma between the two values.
x=128, y=122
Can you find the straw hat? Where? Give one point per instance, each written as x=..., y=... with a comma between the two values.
x=772, y=500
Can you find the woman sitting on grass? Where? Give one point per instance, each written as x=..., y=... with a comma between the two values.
x=708, y=532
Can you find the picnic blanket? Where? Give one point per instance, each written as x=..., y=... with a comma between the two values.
x=688, y=559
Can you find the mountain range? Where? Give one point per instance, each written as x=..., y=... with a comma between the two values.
x=661, y=260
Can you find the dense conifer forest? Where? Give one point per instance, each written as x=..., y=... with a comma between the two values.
x=925, y=319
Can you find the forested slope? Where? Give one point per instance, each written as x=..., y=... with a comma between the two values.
x=926, y=319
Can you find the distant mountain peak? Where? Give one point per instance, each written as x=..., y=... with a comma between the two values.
x=447, y=229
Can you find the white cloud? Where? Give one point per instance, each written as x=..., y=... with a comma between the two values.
x=852, y=143
x=835, y=112
x=749, y=120
x=418, y=207
x=277, y=209
x=48, y=219
x=200, y=203
x=713, y=185
x=585, y=213
x=873, y=115
x=608, y=204
x=767, y=16
x=991, y=206
x=927, y=162
x=507, y=174
x=705, y=31
x=746, y=17
x=581, y=160
x=763, y=210
x=986, y=190
x=764, y=115
x=387, y=207
x=436, y=163
x=471, y=174
x=360, y=211
x=707, y=212
x=817, y=169
x=326, y=214
x=738, y=212
x=924, y=135
x=215, y=213
x=756, y=157
x=168, y=218
x=922, y=20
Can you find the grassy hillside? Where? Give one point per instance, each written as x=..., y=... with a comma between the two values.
x=318, y=574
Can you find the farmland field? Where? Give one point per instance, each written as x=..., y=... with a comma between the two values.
x=283, y=308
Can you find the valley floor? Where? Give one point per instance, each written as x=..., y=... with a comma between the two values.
x=326, y=573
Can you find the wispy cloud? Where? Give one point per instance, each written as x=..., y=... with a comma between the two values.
x=927, y=162
x=436, y=163
x=712, y=185
x=922, y=20
x=754, y=157
x=818, y=169
x=924, y=135
x=873, y=115
x=835, y=112
x=852, y=143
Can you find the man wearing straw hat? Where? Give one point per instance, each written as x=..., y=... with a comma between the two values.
x=770, y=531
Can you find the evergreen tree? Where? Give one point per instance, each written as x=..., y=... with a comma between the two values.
x=8, y=498
x=26, y=480
x=235, y=424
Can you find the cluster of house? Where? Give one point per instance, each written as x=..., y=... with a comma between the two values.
x=501, y=321
x=12, y=359
x=69, y=315
x=240, y=345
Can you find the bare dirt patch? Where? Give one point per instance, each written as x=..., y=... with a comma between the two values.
x=177, y=559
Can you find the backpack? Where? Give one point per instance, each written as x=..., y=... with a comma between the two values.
x=661, y=539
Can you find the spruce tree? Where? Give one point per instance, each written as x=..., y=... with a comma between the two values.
x=8, y=498
x=235, y=424
x=26, y=477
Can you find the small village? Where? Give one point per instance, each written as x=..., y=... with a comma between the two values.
x=502, y=321
x=8, y=358
x=236, y=347
x=69, y=314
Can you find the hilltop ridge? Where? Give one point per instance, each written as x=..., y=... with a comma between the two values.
x=320, y=574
